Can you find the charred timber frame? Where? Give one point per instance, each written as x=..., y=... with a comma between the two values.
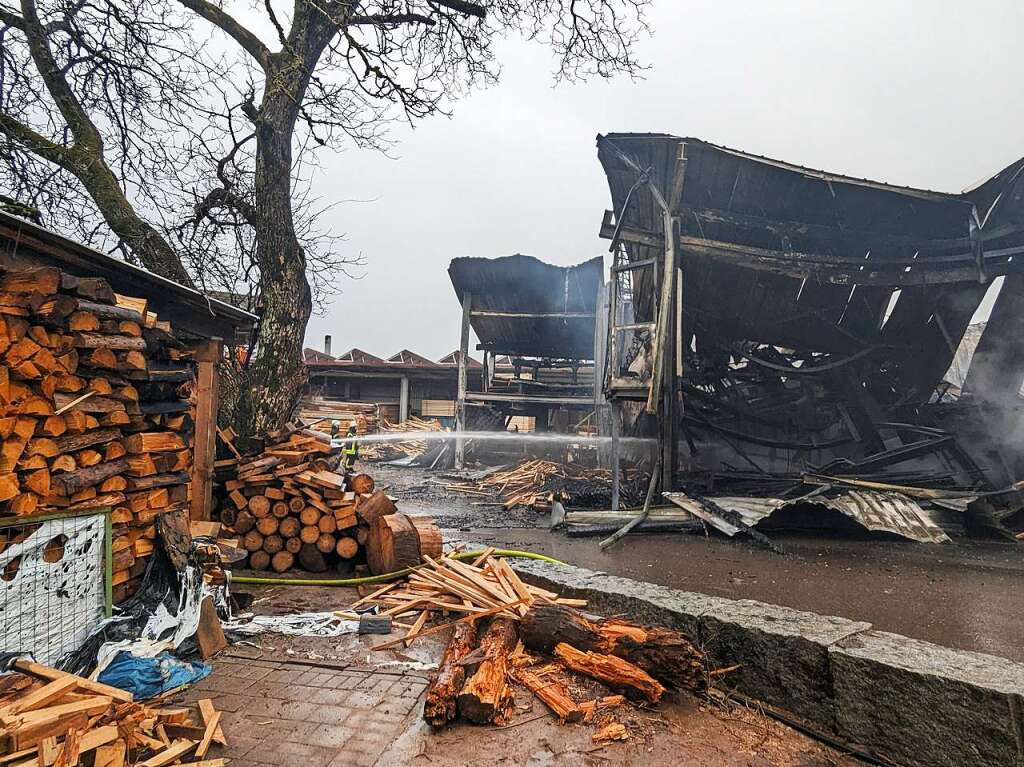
x=460, y=408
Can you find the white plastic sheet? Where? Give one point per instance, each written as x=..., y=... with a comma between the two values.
x=295, y=624
x=52, y=590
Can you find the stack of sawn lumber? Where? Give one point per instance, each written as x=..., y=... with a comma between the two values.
x=501, y=620
x=94, y=409
x=388, y=451
x=49, y=717
x=318, y=413
x=291, y=506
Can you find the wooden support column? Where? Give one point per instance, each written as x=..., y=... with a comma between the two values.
x=460, y=408
x=403, y=398
x=669, y=446
x=616, y=455
x=207, y=357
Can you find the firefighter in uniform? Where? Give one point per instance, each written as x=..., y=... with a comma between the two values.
x=350, y=449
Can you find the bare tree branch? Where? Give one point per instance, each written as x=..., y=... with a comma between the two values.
x=227, y=23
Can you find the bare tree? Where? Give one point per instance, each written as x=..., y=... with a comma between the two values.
x=81, y=83
x=334, y=72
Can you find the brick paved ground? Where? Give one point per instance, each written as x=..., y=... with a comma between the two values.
x=286, y=713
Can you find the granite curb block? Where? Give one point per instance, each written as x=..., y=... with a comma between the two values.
x=903, y=700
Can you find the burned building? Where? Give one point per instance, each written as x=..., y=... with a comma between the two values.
x=770, y=321
x=538, y=320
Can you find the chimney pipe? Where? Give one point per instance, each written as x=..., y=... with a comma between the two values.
x=327, y=345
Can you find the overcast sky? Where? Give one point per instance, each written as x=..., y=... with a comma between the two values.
x=924, y=93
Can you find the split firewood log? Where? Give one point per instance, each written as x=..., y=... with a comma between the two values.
x=439, y=708
x=616, y=673
x=487, y=695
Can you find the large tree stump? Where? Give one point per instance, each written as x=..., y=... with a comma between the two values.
x=669, y=656
x=439, y=707
x=487, y=696
x=616, y=673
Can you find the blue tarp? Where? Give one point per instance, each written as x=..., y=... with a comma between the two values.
x=149, y=677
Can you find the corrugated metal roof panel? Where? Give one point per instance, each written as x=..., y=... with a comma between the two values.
x=880, y=512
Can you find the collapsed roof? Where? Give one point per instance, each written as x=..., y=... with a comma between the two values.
x=819, y=310
x=522, y=306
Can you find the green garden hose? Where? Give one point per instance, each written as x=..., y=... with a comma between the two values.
x=267, y=581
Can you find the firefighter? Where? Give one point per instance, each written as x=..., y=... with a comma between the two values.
x=350, y=448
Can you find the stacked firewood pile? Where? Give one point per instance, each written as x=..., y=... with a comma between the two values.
x=534, y=483
x=290, y=506
x=502, y=633
x=389, y=451
x=94, y=391
x=50, y=717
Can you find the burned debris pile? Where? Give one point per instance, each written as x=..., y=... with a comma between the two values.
x=290, y=505
x=536, y=483
x=806, y=331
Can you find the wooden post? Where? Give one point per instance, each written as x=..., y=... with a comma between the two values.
x=616, y=455
x=460, y=411
x=403, y=399
x=207, y=357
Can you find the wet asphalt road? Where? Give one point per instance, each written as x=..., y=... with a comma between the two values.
x=968, y=594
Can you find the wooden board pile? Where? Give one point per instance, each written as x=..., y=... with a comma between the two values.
x=318, y=413
x=49, y=717
x=290, y=506
x=94, y=409
x=389, y=451
x=501, y=629
x=534, y=483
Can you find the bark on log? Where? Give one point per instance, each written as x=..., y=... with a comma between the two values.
x=616, y=673
x=73, y=481
x=244, y=522
x=487, y=696
x=439, y=707
x=667, y=655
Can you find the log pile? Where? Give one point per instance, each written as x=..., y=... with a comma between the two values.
x=290, y=506
x=49, y=717
x=94, y=409
x=534, y=483
x=502, y=620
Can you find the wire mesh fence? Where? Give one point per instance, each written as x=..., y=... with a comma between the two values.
x=54, y=583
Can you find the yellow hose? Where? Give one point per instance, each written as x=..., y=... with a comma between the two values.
x=269, y=581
